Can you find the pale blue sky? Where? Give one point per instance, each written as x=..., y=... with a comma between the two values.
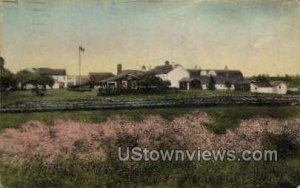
x=254, y=36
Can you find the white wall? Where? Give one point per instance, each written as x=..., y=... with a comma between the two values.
x=279, y=89
x=176, y=75
x=164, y=77
x=63, y=80
x=58, y=81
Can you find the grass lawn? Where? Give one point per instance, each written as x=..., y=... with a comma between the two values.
x=224, y=117
x=63, y=94
x=56, y=94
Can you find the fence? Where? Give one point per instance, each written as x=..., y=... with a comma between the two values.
x=102, y=104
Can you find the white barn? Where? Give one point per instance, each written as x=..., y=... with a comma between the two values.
x=171, y=73
x=199, y=79
x=60, y=77
x=275, y=87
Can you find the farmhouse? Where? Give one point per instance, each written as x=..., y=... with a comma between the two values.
x=199, y=82
x=242, y=85
x=275, y=87
x=171, y=73
x=199, y=79
x=125, y=79
x=61, y=80
x=96, y=77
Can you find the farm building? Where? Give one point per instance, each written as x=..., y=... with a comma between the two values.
x=273, y=87
x=199, y=79
x=171, y=73
x=242, y=85
x=60, y=77
x=200, y=82
x=125, y=80
x=96, y=77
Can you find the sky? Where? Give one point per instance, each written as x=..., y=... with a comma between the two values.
x=254, y=36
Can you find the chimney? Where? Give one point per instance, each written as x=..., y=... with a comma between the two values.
x=144, y=68
x=167, y=63
x=119, y=69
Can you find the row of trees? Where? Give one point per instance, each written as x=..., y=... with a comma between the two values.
x=10, y=81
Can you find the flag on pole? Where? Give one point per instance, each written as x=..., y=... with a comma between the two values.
x=81, y=49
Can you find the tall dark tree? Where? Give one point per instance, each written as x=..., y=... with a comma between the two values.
x=151, y=82
x=24, y=77
x=262, y=78
x=228, y=85
x=40, y=82
x=1, y=62
x=212, y=83
x=7, y=80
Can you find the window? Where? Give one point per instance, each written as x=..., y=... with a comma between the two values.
x=134, y=85
x=124, y=84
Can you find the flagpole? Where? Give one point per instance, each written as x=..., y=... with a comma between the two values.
x=79, y=67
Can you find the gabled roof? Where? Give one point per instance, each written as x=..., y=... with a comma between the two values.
x=232, y=74
x=194, y=72
x=164, y=69
x=276, y=83
x=243, y=82
x=51, y=72
x=262, y=84
x=98, y=76
x=222, y=75
x=202, y=79
x=268, y=84
x=187, y=79
x=134, y=73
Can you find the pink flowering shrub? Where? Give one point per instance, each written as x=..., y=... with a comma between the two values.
x=67, y=139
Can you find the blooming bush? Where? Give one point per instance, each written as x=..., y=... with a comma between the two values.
x=67, y=139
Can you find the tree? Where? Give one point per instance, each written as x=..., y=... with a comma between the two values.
x=152, y=83
x=228, y=85
x=23, y=77
x=39, y=81
x=7, y=80
x=46, y=81
x=212, y=83
x=262, y=78
x=2, y=62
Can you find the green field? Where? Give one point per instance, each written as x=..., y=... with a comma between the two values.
x=113, y=173
x=57, y=94
x=62, y=94
x=224, y=117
